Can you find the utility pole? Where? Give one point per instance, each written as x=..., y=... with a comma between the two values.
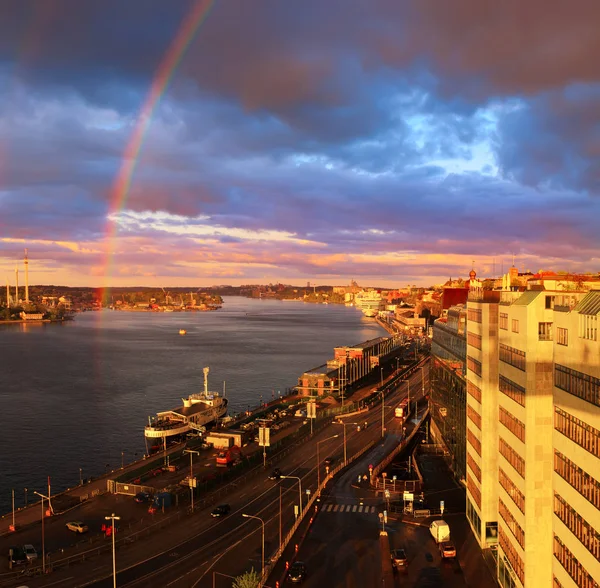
x=192, y=481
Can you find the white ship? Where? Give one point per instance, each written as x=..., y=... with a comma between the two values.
x=370, y=302
x=197, y=411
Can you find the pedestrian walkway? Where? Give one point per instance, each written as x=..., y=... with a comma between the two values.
x=349, y=508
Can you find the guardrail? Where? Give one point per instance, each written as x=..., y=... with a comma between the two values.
x=308, y=508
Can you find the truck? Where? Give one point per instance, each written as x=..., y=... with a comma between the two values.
x=229, y=457
x=440, y=531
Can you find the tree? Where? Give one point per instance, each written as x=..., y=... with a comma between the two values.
x=249, y=579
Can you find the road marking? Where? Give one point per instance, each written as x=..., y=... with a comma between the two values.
x=59, y=581
x=336, y=507
x=354, y=508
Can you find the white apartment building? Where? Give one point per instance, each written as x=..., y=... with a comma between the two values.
x=533, y=434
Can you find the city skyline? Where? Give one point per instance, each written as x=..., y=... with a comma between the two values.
x=214, y=143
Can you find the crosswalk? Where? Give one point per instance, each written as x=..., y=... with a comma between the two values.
x=349, y=508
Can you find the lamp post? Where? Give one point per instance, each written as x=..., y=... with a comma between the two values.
x=42, y=496
x=112, y=518
x=262, y=569
x=408, y=385
x=191, y=452
x=345, y=425
x=319, y=461
x=122, y=459
x=299, y=487
x=26, y=498
x=80, y=477
x=422, y=368
x=382, y=377
x=382, y=414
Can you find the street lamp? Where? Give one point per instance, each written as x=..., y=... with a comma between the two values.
x=299, y=487
x=191, y=452
x=319, y=461
x=422, y=368
x=262, y=570
x=42, y=496
x=80, y=477
x=112, y=518
x=382, y=377
x=122, y=459
x=344, y=425
x=382, y=413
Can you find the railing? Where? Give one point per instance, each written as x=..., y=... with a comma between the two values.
x=284, y=543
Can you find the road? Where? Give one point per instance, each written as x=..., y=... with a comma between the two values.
x=189, y=551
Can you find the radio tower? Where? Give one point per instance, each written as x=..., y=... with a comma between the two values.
x=26, y=262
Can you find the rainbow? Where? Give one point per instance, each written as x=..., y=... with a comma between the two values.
x=120, y=191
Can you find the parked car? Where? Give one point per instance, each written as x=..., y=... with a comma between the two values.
x=221, y=510
x=141, y=497
x=275, y=474
x=77, y=527
x=447, y=549
x=399, y=559
x=16, y=557
x=297, y=572
x=30, y=552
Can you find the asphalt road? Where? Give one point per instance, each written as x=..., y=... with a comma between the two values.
x=188, y=552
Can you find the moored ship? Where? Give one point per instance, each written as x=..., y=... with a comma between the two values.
x=198, y=410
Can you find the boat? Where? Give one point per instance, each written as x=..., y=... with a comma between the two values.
x=182, y=332
x=197, y=411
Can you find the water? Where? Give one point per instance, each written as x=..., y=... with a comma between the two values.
x=76, y=395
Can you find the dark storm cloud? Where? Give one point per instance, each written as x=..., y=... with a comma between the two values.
x=339, y=122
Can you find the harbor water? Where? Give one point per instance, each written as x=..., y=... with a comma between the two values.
x=77, y=395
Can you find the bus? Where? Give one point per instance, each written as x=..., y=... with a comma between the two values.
x=402, y=409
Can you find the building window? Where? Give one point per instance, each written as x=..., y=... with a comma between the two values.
x=474, y=314
x=474, y=490
x=562, y=336
x=473, y=517
x=512, y=390
x=545, y=331
x=516, y=563
x=511, y=523
x=512, y=423
x=512, y=356
x=505, y=574
x=512, y=457
x=579, y=432
x=515, y=326
x=474, y=416
x=503, y=321
x=511, y=490
x=579, y=479
x=474, y=365
x=588, y=327
x=580, y=575
x=474, y=391
x=577, y=383
x=549, y=302
x=474, y=467
x=474, y=340
x=475, y=443
x=588, y=536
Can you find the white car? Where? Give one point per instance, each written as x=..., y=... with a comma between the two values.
x=77, y=526
x=30, y=552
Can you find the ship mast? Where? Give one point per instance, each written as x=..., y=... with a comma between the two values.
x=206, y=370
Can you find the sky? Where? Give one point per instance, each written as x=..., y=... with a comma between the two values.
x=204, y=142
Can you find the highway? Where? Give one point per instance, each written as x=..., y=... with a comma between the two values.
x=190, y=551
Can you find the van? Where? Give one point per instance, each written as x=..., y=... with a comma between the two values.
x=440, y=531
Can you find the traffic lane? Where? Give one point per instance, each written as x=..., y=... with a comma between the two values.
x=342, y=550
x=425, y=566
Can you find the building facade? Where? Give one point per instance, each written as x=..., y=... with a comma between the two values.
x=532, y=432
